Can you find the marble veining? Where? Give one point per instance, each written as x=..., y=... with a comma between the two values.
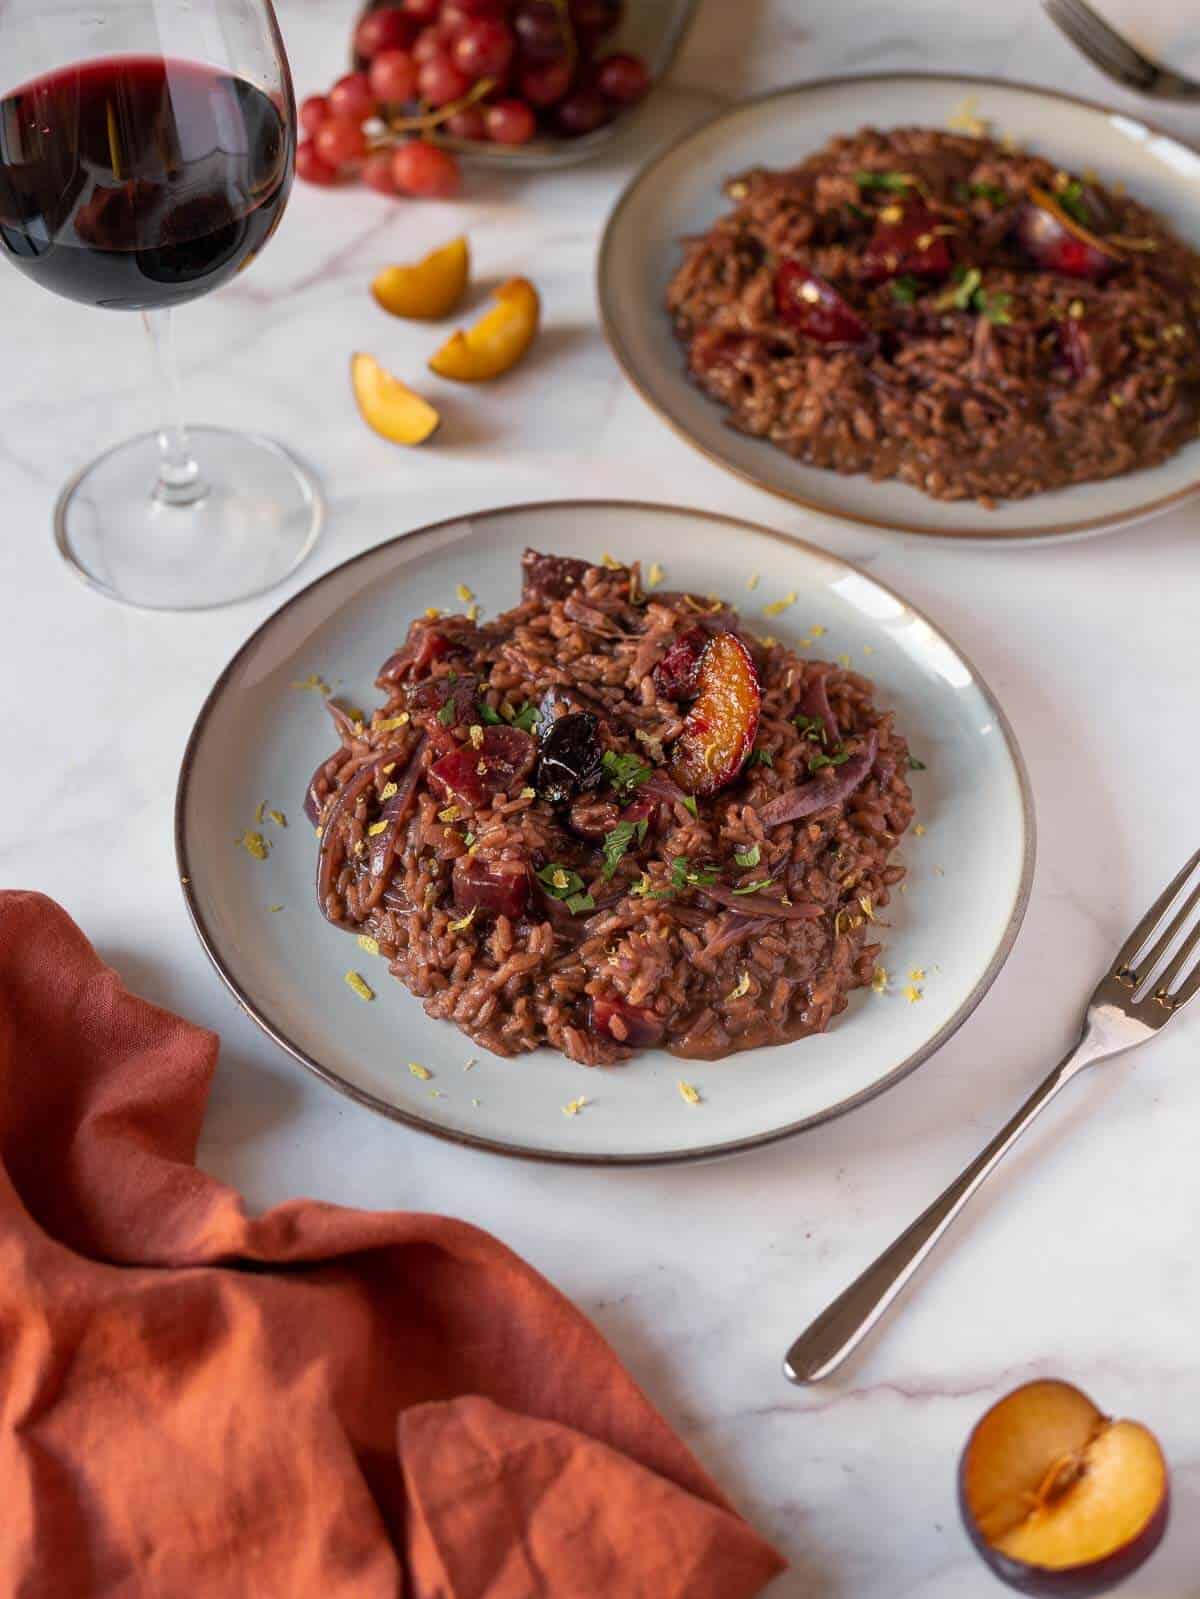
x=1080, y=1259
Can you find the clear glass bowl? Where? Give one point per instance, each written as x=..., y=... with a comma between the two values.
x=652, y=29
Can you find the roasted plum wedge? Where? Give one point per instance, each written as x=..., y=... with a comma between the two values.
x=720, y=728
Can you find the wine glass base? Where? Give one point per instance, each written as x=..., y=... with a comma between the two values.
x=261, y=515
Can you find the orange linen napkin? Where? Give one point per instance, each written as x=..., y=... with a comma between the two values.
x=318, y=1402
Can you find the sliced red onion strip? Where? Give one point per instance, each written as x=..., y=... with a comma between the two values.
x=763, y=905
x=332, y=850
x=394, y=813
x=822, y=792
x=816, y=704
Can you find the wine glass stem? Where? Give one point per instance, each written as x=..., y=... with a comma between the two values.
x=179, y=479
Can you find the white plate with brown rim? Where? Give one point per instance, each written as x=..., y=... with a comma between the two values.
x=260, y=736
x=679, y=194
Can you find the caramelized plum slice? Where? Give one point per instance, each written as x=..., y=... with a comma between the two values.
x=815, y=308
x=1057, y=243
x=720, y=728
x=472, y=774
x=497, y=888
x=631, y=1025
x=907, y=245
x=443, y=701
x=676, y=674
x=570, y=756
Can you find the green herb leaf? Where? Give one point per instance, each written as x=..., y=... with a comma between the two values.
x=579, y=903
x=617, y=842
x=958, y=295
x=689, y=804
x=748, y=857
x=811, y=726
x=468, y=839
x=684, y=873
x=753, y=888
x=446, y=715
x=994, y=306
x=816, y=762
x=1070, y=197
x=559, y=881
x=487, y=714
x=905, y=289
x=526, y=718
x=988, y=191
x=761, y=758
x=893, y=182
x=914, y=765
x=624, y=772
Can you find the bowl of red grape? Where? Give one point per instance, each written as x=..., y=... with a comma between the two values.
x=522, y=84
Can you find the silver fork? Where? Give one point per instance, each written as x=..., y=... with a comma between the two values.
x=1114, y=55
x=1135, y=997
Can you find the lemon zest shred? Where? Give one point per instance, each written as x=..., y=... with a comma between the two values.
x=360, y=985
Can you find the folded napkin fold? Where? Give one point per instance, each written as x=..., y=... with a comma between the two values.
x=314, y=1402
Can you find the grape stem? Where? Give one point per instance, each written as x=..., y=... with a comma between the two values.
x=563, y=9
x=428, y=120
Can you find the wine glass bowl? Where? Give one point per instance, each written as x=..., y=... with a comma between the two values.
x=147, y=152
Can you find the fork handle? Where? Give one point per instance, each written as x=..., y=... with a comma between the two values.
x=823, y=1346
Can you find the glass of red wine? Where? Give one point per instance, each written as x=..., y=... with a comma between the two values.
x=147, y=150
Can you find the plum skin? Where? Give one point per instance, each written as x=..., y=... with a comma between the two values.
x=1066, y=1582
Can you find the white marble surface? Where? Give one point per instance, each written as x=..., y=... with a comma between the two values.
x=1081, y=1260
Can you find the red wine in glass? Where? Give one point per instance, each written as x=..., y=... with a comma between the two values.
x=134, y=182
x=147, y=149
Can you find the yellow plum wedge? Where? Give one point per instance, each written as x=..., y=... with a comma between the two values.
x=428, y=289
x=394, y=411
x=497, y=341
x=1059, y=1499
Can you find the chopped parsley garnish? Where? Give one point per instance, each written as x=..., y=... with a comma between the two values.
x=811, y=726
x=624, y=772
x=816, y=762
x=689, y=804
x=618, y=841
x=981, y=191
x=1070, y=197
x=994, y=306
x=761, y=758
x=914, y=765
x=893, y=182
x=684, y=873
x=905, y=289
x=753, y=888
x=526, y=718
x=579, y=903
x=446, y=715
x=748, y=857
x=487, y=714
x=560, y=882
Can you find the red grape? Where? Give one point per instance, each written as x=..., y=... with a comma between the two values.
x=545, y=83
x=439, y=81
x=340, y=143
x=583, y=112
x=393, y=77
x=481, y=8
x=484, y=49
x=389, y=28
x=423, y=10
x=377, y=172
x=510, y=122
x=469, y=123
x=595, y=18
x=422, y=169
x=429, y=44
x=314, y=113
x=540, y=31
x=351, y=100
x=309, y=165
x=622, y=78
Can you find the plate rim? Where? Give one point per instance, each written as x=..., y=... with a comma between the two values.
x=676, y=1157
x=606, y=303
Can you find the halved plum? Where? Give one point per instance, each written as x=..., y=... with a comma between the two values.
x=907, y=244
x=569, y=756
x=631, y=1025
x=473, y=773
x=497, y=888
x=1057, y=243
x=815, y=308
x=676, y=674
x=720, y=729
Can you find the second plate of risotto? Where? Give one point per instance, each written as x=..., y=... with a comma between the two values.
x=619, y=852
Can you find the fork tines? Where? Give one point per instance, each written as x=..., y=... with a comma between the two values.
x=1136, y=966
